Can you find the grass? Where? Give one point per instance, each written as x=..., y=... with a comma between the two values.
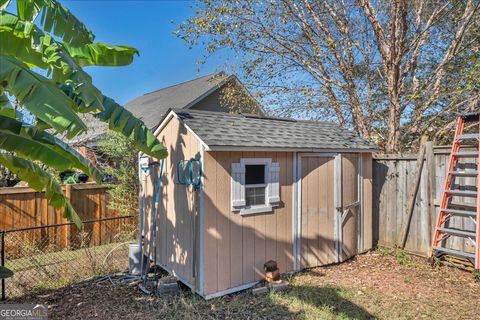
x=476, y=276
x=39, y=272
x=401, y=256
x=43, y=285
x=312, y=302
x=49, y=258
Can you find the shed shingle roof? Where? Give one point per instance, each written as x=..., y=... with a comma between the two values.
x=217, y=129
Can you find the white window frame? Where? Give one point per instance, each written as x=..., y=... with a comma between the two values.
x=267, y=162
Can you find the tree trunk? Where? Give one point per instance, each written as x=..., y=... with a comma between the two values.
x=393, y=133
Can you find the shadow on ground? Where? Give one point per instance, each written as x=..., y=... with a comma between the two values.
x=310, y=302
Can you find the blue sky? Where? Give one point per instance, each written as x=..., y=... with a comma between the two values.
x=148, y=26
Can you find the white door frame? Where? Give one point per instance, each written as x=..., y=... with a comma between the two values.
x=337, y=195
x=297, y=200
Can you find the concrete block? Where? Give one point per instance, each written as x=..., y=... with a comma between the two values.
x=279, y=286
x=167, y=279
x=259, y=290
x=167, y=285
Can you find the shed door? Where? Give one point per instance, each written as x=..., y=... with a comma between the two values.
x=317, y=242
x=330, y=209
x=350, y=212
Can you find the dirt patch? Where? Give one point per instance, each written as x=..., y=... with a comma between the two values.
x=396, y=277
x=382, y=284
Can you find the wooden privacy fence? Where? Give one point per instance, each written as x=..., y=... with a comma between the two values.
x=23, y=207
x=392, y=182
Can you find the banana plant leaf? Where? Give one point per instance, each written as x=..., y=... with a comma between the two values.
x=97, y=54
x=121, y=120
x=39, y=50
x=34, y=144
x=39, y=180
x=4, y=4
x=5, y=273
x=118, y=118
x=40, y=96
x=7, y=110
x=26, y=42
x=16, y=38
x=5, y=102
x=101, y=54
x=57, y=19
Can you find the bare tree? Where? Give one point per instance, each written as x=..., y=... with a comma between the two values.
x=379, y=67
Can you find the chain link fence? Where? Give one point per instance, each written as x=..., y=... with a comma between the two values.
x=53, y=256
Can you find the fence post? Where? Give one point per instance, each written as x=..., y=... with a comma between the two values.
x=3, y=264
x=402, y=238
x=430, y=158
x=66, y=231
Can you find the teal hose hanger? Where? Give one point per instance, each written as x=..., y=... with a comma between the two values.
x=186, y=175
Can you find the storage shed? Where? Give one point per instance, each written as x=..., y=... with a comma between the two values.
x=296, y=192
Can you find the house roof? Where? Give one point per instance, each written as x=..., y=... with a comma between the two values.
x=219, y=131
x=96, y=129
x=152, y=107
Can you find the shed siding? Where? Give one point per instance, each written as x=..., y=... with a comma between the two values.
x=175, y=223
x=236, y=247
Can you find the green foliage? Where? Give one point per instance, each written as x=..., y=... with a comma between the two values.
x=101, y=54
x=403, y=258
x=55, y=19
x=5, y=273
x=121, y=163
x=122, y=121
x=476, y=276
x=34, y=144
x=43, y=48
x=385, y=251
x=32, y=90
x=63, y=61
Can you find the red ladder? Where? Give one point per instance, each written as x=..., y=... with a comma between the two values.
x=452, y=191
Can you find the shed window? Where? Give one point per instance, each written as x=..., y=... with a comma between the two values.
x=254, y=196
x=255, y=185
x=255, y=174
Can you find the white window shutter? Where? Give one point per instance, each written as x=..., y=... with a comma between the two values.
x=274, y=184
x=238, y=186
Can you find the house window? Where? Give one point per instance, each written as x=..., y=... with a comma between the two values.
x=255, y=185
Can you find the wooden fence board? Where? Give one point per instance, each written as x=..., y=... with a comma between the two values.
x=23, y=207
x=392, y=175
